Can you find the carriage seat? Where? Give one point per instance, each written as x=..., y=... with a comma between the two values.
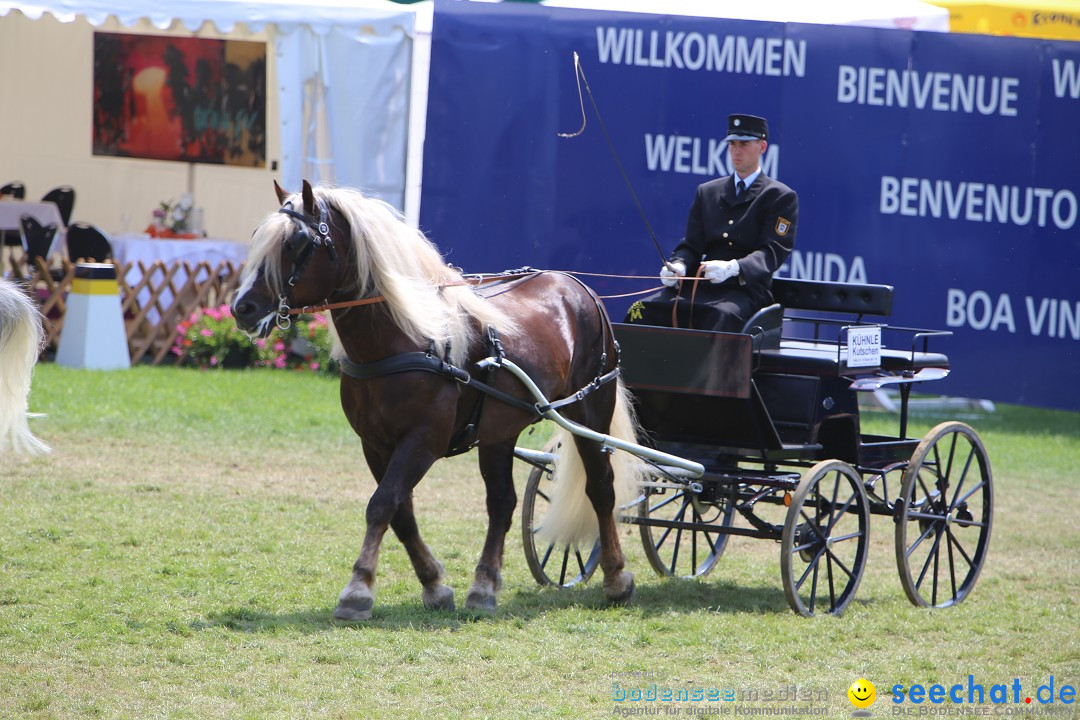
x=765, y=326
x=807, y=357
x=824, y=358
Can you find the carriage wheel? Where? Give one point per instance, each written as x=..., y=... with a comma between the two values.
x=825, y=539
x=682, y=552
x=560, y=565
x=944, y=515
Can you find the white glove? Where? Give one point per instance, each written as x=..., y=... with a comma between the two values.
x=670, y=277
x=717, y=271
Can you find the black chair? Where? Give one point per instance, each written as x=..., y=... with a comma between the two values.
x=88, y=242
x=64, y=197
x=17, y=191
x=14, y=189
x=37, y=240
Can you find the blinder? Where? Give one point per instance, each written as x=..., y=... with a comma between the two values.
x=308, y=236
x=301, y=245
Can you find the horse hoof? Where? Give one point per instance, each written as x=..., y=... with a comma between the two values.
x=439, y=598
x=354, y=606
x=621, y=591
x=479, y=599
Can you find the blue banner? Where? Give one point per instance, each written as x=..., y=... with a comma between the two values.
x=945, y=165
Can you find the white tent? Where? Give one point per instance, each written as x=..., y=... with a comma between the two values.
x=901, y=14
x=338, y=103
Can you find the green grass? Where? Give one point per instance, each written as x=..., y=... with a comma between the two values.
x=180, y=552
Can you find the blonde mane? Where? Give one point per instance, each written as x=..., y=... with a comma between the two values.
x=425, y=297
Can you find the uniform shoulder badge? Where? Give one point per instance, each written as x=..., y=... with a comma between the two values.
x=782, y=226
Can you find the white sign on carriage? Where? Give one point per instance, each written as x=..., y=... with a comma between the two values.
x=864, y=346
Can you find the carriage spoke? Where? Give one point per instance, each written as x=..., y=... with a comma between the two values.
x=665, y=503
x=849, y=536
x=813, y=588
x=812, y=565
x=963, y=476
x=837, y=561
x=678, y=535
x=934, y=584
x=931, y=556
x=832, y=588
x=565, y=562
x=952, y=564
x=925, y=534
x=971, y=492
x=834, y=520
x=960, y=548
x=547, y=554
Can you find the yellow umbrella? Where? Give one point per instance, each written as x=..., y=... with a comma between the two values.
x=1050, y=19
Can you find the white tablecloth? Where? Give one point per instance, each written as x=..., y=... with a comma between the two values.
x=46, y=213
x=135, y=248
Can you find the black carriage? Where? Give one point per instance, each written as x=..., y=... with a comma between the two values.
x=772, y=415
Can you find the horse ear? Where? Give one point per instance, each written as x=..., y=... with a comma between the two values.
x=281, y=193
x=309, y=199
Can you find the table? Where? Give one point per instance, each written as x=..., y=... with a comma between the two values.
x=133, y=247
x=46, y=213
x=136, y=247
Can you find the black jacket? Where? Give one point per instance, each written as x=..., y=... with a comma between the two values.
x=757, y=229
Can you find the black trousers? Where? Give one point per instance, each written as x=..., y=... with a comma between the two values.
x=723, y=308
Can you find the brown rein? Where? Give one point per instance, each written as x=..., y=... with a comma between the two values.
x=307, y=309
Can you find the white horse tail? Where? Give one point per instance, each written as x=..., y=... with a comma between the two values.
x=571, y=518
x=20, y=341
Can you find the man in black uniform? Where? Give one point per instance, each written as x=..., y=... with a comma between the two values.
x=741, y=229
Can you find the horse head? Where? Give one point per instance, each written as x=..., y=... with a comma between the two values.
x=294, y=262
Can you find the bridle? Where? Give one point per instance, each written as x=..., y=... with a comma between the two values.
x=301, y=245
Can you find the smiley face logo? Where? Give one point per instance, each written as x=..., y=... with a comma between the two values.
x=862, y=693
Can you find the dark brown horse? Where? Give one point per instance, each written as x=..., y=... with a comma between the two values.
x=335, y=246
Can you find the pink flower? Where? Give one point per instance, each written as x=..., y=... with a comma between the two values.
x=279, y=362
x=279, y=345
x=314, y=367
x=213, y=313
x=213, y=360
x=206, y=332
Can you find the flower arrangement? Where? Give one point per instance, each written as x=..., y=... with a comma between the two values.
x=175, y=216
x=209, y=338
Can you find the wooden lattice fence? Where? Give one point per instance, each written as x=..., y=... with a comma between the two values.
x=155, y=297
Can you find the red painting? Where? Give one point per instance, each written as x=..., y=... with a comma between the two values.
x=186, y=99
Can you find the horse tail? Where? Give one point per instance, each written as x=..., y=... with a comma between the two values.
x=571, y=518
x=20, y=340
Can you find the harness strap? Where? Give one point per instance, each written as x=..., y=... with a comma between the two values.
x=580, y=394
x=429, y=362
x=426, y=362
